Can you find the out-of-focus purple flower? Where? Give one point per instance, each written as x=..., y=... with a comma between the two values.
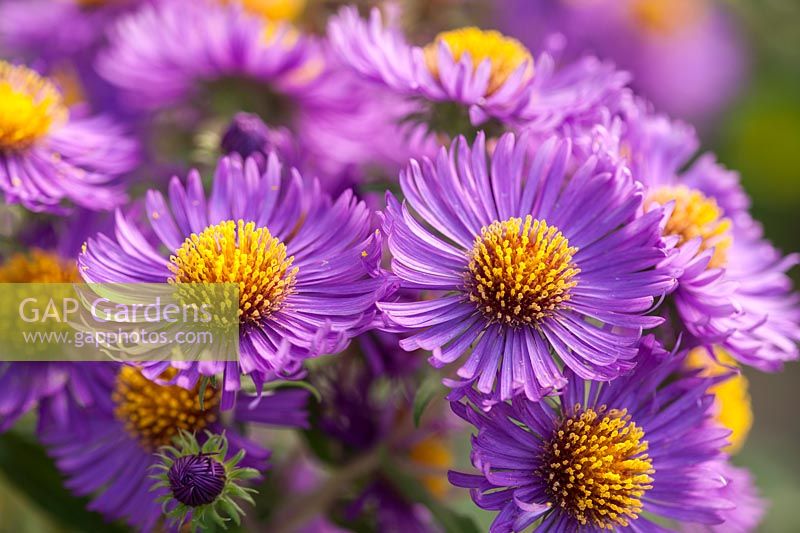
x=26, y=385
x=733, y=288
x=50, y=258
x=234, y=59
x=602, y=455
x=50, y=155
x=750, y=507
x=534, y=252
x=108, y=452
x=687, y=56
x=307, y=266
x=63, y=37
x=484, y=74
x=739, y=489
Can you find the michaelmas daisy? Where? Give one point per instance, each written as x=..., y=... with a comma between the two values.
x=50, y=157
x=306, y=265
x=640, y=453
x=533, y=260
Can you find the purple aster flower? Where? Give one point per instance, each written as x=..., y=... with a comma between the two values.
x=49, y=154
x=602, y=455
x=740, y=489
x=108, y=452
x=687, y=56
x=63, y=36
x=533, y=253
x=26, y=385
x=485, y=74
x=320, y=292
x=733, y=289
x=49, y=258
x=235, y=59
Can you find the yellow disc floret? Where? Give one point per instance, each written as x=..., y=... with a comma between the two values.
x=595, y=468
x=732, y=405
x=238, y=252
x=30, y=106
x=695, y=215
x=154, y=414
x=38, y=266
x=505, y=54
x=667, y=16
x=433, y=456
x=275, y=9
x=520, y=271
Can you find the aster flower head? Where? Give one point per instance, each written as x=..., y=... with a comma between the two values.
x=733, y=289
x=109, y=452
x=655, y=452
x=238, y=57
x=49, y=157
x=25, y=385
x=230, y=42
x=306, y=265
x=203, y=482
x=532, y=254
x=470, y=75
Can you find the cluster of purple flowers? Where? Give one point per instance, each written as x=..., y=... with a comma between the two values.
x=585, y=285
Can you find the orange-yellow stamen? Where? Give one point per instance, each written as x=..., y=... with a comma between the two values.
x=154, y=414
x=667, y=17
x=520, y=272
x=695, y=215
x=238, y=252
x=274, y=9
x=38, y=266
x=595, y=468
x=30, y=106
x=433, y=456
x=731, y=398
x=505, y=54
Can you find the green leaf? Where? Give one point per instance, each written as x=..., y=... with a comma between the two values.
x=427, y=391
x=25, y=465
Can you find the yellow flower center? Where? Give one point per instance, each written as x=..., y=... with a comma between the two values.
x=154, y=414
x=433, y=456
x=274, y=9
x=505, y=54
x=520, y=272
x=693, y=216
x=731, y=397
x=29, y=106
x=38, y=266
x=595, y=468
x=238, y=252
x=667, y=16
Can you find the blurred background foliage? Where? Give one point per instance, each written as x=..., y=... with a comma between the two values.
x=758, y=135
